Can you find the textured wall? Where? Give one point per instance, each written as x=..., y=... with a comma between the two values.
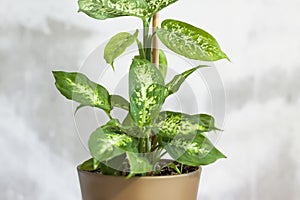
x=38, y=143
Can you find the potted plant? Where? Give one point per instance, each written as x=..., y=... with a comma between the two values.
x=126, y=161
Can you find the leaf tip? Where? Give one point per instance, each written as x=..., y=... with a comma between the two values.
x=224, y=56
x=228, y=59
x=112, y=66
x=223, y=156
x=55, y=74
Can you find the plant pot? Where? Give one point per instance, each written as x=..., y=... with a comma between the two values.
x=103, y=187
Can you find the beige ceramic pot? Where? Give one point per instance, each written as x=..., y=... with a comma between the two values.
x=102, y=187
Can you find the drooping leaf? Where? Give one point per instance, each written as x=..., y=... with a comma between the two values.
x=117, y=45
x=90, y=165
x=77, y=87
x=174, y=85
x=120, y=102
x=163, y=63
x=105, y=145
x=193, y=151
x=171, y=124
x=146, y=91
x=139, y=163
x=189, y=41
x=111, y=8
x=114, y=166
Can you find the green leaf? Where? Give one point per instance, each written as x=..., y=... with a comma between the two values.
x=189, y=41
x=120, y=102
x=111, y=8
x=105, y=144
x=163, y=63
x=77, y=87
x=171, y=124
x=155, y=6
x=96, y=9
x=174, y=85
x=146, y=91
x=114, y=166
x=193, y=151
x=139, y=163
x=90, y=165
x=117, y=45
x=129, y=129
x=173, y=166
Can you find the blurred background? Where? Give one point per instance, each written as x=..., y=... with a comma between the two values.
x=39, y=145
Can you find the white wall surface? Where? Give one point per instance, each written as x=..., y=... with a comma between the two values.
x=39, y=148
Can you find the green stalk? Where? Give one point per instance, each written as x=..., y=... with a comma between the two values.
x=147, y=46
x=141, y=50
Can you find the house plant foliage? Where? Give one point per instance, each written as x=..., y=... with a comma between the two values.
x=135, y=145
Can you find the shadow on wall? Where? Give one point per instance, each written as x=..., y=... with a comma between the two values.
x=27, y=58
x=278, y=83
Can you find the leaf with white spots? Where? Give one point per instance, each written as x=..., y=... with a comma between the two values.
x=77, y=87
x=189, y=41
x=104, y=144
x=193, y=151
x=146, y=90
x=111, y=8
x=172, y=124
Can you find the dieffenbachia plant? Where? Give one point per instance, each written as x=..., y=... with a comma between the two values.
x=147, y=133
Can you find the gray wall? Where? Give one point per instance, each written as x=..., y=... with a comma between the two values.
x=38, y=141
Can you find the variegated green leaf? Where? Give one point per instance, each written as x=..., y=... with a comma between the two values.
x=120, y=102
x=96, y=9
x=155, y=6
x=139, y=163
x=189, y=41
x=174, y=85
x=171, y=124
x=146, y=90
x=105, y=145
x=163, y=63
x=103, y=9
x=193, y=151
x=117, y=45
x=77, y=87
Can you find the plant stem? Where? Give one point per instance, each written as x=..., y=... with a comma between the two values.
x=141, y=50
x=155, y=53
x=141, y=145
x=147, y=46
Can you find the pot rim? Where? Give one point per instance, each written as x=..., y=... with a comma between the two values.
x=143, y=177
